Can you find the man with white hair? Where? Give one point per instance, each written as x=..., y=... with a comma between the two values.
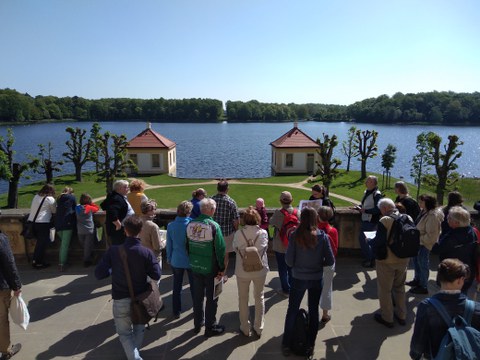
x=206, y=250
x=459, y=243
x=117, y=209
x=391, y=270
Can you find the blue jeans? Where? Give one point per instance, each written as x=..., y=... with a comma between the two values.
x=177, y=288
x=366, y=248
x=131, y=336
x=203, y=286
x=297, y=291
x=421, y=265
x=284, y=271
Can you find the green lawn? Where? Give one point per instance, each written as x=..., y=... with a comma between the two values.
x=245, y=194
x=282, y=179
x=349, y=184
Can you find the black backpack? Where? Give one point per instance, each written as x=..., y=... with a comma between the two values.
x=404, y=238
x=299, y=344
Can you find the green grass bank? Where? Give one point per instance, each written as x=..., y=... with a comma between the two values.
x=169, y=191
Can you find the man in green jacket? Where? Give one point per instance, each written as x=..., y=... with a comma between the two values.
x=206, y=251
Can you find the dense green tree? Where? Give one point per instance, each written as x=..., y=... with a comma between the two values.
x=78, y=150
x=443, y=163
x=388, y=160
x=365, y=145
x=420, y=161
x=432, y=107
x=327, y=166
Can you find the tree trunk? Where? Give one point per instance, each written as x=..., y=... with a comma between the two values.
x=348, y=163
x=440, y=194
x=49, y=171
x=109, y=182
x=78, y=172
x=364, y=169
x=12, y=201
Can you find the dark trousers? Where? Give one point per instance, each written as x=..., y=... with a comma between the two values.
x=203, y=286
x=42, y=233
x=297, y=290
x=117, y=237
x=284, y=271
x=366, y=248
x=177, y=288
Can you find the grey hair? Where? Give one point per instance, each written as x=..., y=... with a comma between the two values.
x=386, y=204
x=119, y=183
x=460, y=215
x=207, y=204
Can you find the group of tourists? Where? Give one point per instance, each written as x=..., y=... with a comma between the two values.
x=207, y=230
x=62, y=216
x=446, y=232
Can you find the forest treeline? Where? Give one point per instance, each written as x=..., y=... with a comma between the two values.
x=439, y=108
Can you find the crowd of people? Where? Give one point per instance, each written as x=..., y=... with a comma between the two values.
x=305, y=243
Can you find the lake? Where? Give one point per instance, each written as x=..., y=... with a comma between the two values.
x=242, y=150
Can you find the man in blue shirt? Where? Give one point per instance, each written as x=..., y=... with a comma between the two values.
x=142, y=263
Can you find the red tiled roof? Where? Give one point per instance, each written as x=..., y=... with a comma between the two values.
x=295, y=138
x=150, y=139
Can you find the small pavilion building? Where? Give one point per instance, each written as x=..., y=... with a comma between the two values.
x=294, y=153
x=153, y=153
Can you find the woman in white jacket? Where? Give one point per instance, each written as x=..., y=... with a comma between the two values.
x=259, y=238
x=429, y=224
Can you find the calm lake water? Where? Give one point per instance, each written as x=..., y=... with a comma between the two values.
x=243, y=150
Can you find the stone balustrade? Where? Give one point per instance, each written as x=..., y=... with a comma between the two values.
x=11, y=223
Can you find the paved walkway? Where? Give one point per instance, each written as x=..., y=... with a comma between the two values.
x=71, y=318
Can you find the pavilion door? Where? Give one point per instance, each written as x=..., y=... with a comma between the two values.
x=310, y=163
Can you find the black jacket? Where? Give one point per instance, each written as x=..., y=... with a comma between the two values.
x=116, y=208
x=9, y=278
x=411, y=206
x=460, y=243
x=430, y=327
x=65, y=215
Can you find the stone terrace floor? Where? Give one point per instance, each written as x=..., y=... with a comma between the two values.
x=71, y=318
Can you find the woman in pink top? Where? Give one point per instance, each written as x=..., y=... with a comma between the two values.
x=325, y=213
x=262, y=211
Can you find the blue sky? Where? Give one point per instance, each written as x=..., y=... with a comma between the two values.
x=334, y=52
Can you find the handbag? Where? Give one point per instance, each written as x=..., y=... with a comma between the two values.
x=28, y=231
x=19, y=312
x=146, y=305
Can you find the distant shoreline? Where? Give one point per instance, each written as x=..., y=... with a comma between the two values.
x=353, y=123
